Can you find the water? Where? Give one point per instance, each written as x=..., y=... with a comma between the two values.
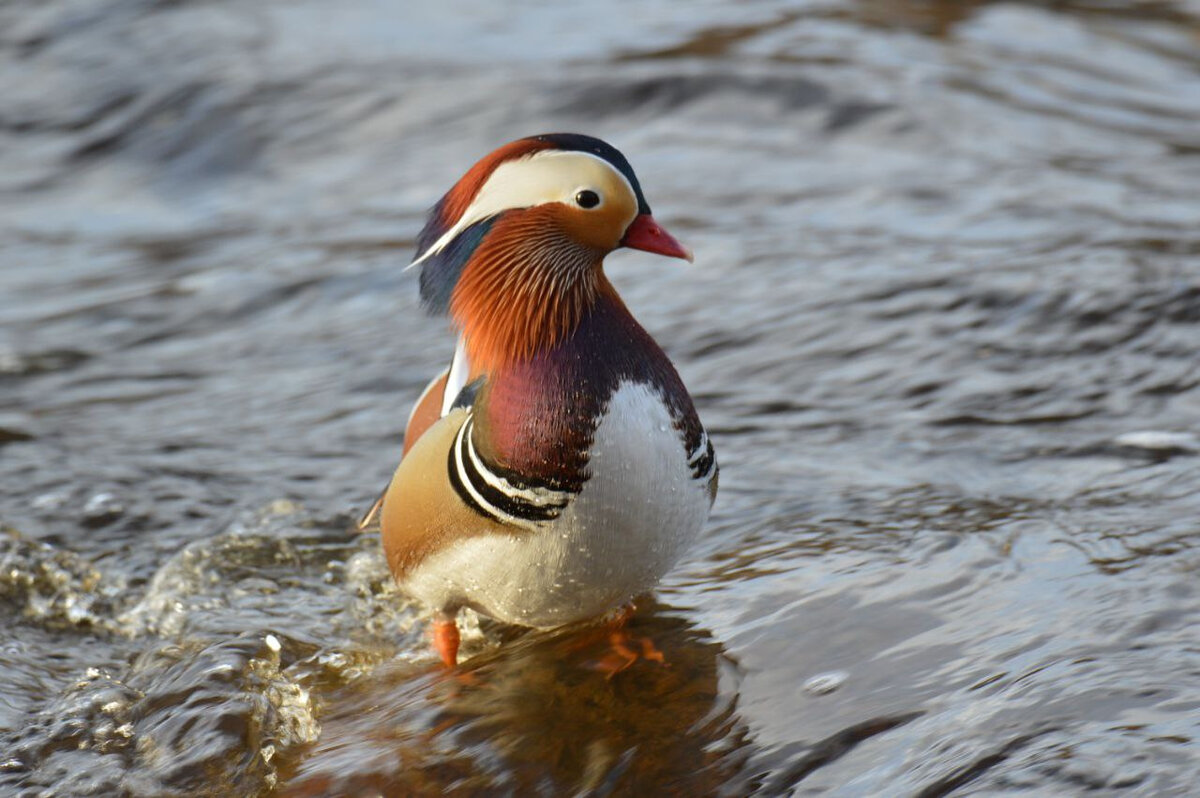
x=942, y=328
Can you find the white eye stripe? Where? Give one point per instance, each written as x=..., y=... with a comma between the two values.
x=546, y=176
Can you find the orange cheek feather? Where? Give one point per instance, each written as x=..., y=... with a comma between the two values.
x=528, y=284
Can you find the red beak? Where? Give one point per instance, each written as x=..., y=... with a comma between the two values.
x=645, y=234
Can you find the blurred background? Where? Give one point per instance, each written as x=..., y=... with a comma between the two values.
x=942, y=327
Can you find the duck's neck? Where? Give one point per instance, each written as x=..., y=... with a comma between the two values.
x=537, y=416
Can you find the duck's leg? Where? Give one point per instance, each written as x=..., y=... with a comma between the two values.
x=445, y=638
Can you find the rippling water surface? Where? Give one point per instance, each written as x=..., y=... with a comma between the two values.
x=943, y=328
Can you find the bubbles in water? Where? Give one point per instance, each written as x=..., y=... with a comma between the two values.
x=54, y=586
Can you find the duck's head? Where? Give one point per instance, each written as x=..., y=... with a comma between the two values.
x=514, y=251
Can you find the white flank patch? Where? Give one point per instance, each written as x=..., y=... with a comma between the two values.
x=635, y=517
x=545, y=176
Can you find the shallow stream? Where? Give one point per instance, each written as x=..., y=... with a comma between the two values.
x=942, y=327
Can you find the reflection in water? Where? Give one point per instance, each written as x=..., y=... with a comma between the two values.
x=536, y=717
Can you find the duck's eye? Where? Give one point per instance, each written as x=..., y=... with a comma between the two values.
x=587, y=199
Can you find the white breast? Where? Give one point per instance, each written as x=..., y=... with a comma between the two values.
x=637, y=513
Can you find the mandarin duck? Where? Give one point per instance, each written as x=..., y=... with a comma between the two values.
x=557, y=468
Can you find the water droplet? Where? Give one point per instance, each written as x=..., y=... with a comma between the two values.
x=826, y=683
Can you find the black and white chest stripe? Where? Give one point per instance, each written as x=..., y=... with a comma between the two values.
x=508, y=501
x=702, y=460
x=496, y=496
